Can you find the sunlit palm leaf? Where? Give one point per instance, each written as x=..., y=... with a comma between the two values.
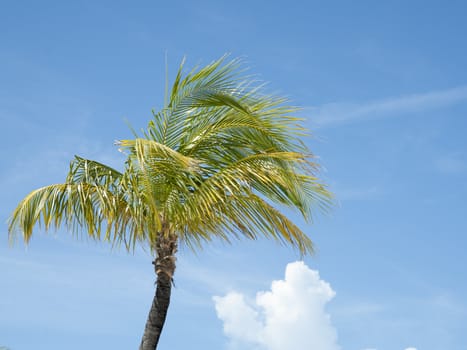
x=79, y=205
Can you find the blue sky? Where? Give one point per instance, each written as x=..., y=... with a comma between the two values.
x=383, y=88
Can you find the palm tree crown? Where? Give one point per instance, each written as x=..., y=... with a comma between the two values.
x=214, y=162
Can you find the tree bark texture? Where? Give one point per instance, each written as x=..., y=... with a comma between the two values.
x=164, y=266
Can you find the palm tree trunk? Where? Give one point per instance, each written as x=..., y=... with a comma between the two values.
x=164, y=266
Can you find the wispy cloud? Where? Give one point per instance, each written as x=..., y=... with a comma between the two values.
x=451, y=164
x=342, y=113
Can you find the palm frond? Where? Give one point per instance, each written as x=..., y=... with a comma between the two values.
x=92, y=172
x=79, y=206
x=244, y=215
x=275, y=175
x=149, y=152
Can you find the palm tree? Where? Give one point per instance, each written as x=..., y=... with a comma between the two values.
x=211, y=164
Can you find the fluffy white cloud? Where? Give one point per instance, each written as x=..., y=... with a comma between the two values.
x=290, y=316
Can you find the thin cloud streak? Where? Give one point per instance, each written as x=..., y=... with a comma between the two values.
x=334, y=114
x=451, y=164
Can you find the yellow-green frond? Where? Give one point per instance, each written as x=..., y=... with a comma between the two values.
x=78, y=206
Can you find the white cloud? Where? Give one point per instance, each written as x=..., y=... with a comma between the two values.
x=240, y=319
x=290, y=316
x=411, y=348
x=342, y=113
